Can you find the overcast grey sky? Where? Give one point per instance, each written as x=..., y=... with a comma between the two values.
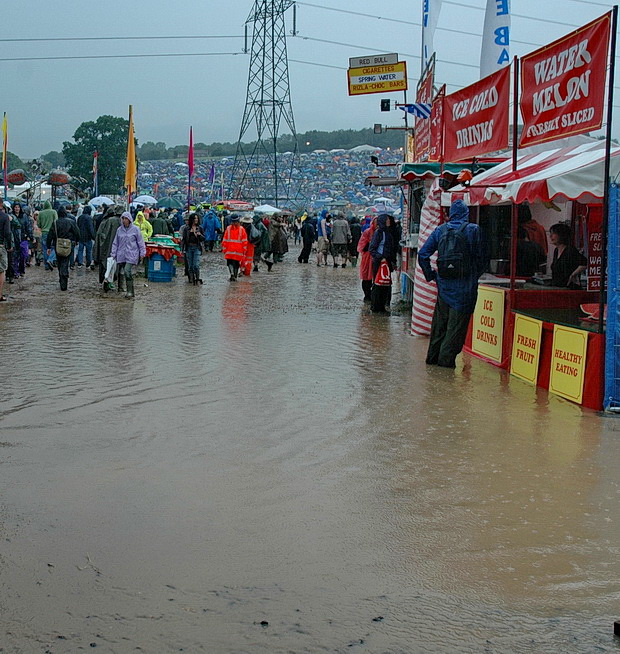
x=47, y=100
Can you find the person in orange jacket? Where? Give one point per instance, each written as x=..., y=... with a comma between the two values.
x=234, y=246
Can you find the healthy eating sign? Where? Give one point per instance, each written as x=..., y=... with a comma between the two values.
x=563, y=84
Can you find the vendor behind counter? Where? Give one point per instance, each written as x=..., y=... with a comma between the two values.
x=568, y=263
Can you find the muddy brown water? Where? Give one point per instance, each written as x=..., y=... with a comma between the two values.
x=263, y=467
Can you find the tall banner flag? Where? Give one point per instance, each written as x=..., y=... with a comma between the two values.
x=95, y=174
x=563, y=84
x=131, y=168
x=430, y=16
x=5, y=142
x=190, y=167
x=212, y=181
x=476, y=118
x=495, y=52
x=424, y=95
x=437, y=123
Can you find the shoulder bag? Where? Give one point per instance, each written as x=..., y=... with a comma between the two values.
x=63, y=245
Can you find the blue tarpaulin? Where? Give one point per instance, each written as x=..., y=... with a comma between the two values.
x=612, y=349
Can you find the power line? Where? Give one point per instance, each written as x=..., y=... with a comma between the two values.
x=359, y=13
x=404, y=54
x=125, y=56
x=403, y=22
x=115, y=38
x=541, y=20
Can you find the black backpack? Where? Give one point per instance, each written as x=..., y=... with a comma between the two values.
x=453, y=255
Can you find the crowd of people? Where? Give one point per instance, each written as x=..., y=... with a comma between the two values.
x=112, y=240
x=337, y=174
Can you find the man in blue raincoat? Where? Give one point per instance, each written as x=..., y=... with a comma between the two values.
x=211, y=226
x=457, y=296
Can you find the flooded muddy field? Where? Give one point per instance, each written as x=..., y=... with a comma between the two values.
x=263, y=467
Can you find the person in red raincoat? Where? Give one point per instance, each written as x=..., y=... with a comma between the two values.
x=366, y=259
x=248, y=260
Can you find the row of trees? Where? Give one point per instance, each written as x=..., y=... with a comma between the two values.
x=306, y=142
x=108, y=137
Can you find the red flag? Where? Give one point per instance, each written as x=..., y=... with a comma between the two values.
x=190, y=153
x=422, y=125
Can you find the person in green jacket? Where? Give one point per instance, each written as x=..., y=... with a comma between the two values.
x=104, y=239
x=160, y=225
x=47, y=217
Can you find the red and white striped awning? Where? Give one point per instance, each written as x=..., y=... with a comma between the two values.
x=574, y=173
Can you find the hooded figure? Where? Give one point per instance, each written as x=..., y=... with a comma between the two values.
x=159, y=224
x=128, y=249
x=366, y=262
x=144, y=226
x=104, y=238
x=382, y=248
x=234, y=245
x=211, y=226
x=457, y=296
x=47, y=217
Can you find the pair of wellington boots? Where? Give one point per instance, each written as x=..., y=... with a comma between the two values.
x=126, y=285
x=194, y=279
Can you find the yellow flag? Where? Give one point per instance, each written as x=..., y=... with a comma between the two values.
x=131, y=170
x=5, y=138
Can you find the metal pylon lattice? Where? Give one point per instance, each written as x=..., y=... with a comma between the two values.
x=259, y=172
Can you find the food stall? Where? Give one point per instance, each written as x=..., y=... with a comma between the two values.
x=415, y=181
x=548, y=336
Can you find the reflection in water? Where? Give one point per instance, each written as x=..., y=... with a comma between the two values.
x=178, y=468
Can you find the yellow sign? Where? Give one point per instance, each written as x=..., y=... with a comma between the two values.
x=378, y=79
x=488, y=324
x=526, y=348
x=568, y=362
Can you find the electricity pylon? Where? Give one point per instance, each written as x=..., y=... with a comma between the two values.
x=259, y=172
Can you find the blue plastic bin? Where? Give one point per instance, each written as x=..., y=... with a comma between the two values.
x=160, y=270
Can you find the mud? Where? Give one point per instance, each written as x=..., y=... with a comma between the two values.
x=264, y=467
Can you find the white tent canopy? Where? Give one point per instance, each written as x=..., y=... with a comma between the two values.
x=266, y=208
x=365, y=148
x=558, y=174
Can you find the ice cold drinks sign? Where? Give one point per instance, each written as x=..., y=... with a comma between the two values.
x=477, y=118
x=488, y=324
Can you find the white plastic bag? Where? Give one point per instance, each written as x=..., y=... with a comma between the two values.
x=110, y=270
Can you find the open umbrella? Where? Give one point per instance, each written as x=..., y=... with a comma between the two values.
x=145, y=199
x=169, y=203
x=266, y=208
x=99, y=200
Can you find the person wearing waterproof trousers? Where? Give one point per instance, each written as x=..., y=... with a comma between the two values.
x=63, y=228
x=234, y=246
x=457, y=294
x=128, y=250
